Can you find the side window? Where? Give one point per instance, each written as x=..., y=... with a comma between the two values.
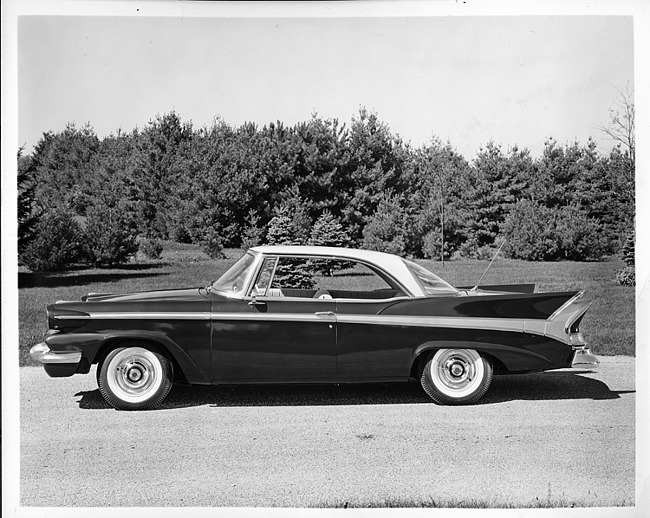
x=330, y=278
x=261, y=286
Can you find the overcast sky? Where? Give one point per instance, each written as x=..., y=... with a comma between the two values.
x=517, y=80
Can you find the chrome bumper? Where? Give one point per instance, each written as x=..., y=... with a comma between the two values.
x=42, y=353
x=583, y=359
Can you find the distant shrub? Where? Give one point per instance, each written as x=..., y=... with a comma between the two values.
x=538, y=233
x=385, y=230
x=110, y=237
x=579, y=236
x=56, y=243
x=529, y=230
x=180, y=234
x=212, y=244
x=471, y=250
x=626, y=276
x=151, y=248
x=431, y=245
x=627, y=252
x=253, y=234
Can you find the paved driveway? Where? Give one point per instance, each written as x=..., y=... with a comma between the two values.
x=564, y=435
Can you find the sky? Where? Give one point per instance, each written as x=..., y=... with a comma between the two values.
x=516, y=80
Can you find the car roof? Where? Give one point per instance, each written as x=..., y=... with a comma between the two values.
x=389, y=263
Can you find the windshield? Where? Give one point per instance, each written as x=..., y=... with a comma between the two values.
x=234, y=280
x=432, y=284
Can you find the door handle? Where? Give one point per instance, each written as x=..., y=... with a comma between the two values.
x=324, y=313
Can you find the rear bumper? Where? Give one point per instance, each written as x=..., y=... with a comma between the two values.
x=57, y=364
x=583, y=359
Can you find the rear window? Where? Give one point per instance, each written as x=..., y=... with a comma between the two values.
x=430, y=282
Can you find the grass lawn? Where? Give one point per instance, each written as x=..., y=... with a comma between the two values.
x=608, y=325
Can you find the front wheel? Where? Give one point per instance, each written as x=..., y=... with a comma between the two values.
x=135, y=378
x=456, y=376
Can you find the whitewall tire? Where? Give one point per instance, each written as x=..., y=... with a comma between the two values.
x=135, y=378
x=456, y=376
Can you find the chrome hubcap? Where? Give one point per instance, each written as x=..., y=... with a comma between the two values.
x=134, y=375
x=456, y=370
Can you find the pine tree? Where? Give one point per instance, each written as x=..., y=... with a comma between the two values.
x=27, y=216
x=328, y=231
x=628, y=249
x=290, y=273
x=280, y=229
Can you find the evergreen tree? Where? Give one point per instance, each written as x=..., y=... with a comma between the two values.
x=110, y=236
x=28, y=215
x=627, y=252
x=291, y=273
x=386, y=230
x=328, y=231
x=57, y=242
x=253, y=233
x=280, y=230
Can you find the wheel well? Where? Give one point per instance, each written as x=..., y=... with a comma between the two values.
x=425, y=356
x=420, y=362
x=107, y=347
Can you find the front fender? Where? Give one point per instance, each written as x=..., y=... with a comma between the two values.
x=92, y=346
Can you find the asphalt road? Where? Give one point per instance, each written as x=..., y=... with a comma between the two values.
x=562, y=434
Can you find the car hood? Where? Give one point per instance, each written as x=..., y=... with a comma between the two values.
x=185, y=294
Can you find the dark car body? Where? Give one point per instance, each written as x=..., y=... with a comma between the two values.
x=263, y=330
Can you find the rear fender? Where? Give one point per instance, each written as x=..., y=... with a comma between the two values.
x=558, y=325
x=512, y=360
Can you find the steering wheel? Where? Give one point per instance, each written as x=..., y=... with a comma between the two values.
x=322, y=294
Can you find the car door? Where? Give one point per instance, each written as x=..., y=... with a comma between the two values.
x=268, y=336
x=371, y=347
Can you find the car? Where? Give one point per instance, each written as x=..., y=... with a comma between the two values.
x=310, y=314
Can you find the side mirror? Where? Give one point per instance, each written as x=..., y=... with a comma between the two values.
x=255, y=302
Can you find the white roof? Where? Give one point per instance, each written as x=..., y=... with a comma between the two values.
x=389, y=263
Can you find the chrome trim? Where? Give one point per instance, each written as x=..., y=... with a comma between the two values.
x=273, y=317
x=495, y=324
x=71, y=317
x=324, y=256
x=337, y=300
x=249, y=293
x=42, y=353
x=557, y=326
x=171, y=315
x=492, y=324
x=573, y=299
x=583, y=359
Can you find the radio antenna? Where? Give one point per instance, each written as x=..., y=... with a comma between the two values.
x=488, y=267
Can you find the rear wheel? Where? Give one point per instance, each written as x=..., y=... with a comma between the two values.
x=135, y=378
x=456, y=376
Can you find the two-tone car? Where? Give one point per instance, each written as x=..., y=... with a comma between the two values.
x=305, y=314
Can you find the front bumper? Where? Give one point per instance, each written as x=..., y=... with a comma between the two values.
x=57, y=364
x=583, y=359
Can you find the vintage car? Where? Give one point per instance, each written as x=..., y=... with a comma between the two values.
x=305, y=314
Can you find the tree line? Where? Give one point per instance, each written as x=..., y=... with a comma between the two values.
x=97, y=200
